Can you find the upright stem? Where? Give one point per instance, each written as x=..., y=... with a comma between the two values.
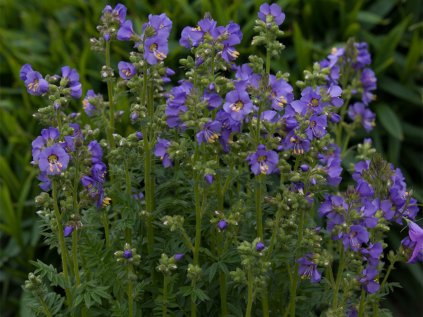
x=260, y=234
x=197, y=236
x=222, y=276
x=111, y=127
x=294, y=281
x=362, y=303
x=146, y=99
x=165, y=291
x=338, y=277
x=259, y=210
x=130, y=291
x=250, y=293
x=63, y=250
x=128, y=185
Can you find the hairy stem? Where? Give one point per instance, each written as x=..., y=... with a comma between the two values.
x=338, y=277
x=294, y=281
x=63, y=250
x=111, y=127
x=250, y=293
x=165, y=290
x=362, y=303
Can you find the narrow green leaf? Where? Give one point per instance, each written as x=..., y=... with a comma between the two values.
x=390, y=42
x=390, y=121
x=302, y=48
x=401, y=91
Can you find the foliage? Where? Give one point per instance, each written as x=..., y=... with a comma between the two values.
x=47, y=34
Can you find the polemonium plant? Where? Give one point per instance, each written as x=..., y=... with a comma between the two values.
x=229, y=194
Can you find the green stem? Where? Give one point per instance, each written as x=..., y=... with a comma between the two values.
x=294, y=282
x=147, y=101
x=385, y=279
x=250, y=293
x=128, y=185
x=111, y=127
x=223, y=294
x=259, y=210
x=267, y=61
x=338, y=277
x=222, y=277
x=187, y=240
x=197, y=237
x=130, y=291
x=362, y=303
x=45, y=307
x=63, y=250
x=165, y=287
x=106, y=228
x=75, y=257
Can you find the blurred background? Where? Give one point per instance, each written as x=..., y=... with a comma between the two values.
x=51, y=33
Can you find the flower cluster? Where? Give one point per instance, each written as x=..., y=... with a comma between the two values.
x=94, y=183
x=236, y=139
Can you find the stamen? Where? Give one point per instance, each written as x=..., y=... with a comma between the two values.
x=237, y=106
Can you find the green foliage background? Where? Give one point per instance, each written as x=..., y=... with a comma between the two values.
x=51, y=33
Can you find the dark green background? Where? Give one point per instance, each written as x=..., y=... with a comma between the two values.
x=51, y=33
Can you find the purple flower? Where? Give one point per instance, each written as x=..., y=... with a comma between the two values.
x=355, y=237
x=245, y=74
x=208, y=178
x=45, y=184
x=363, y=56
x=212, y=99
x=358, y=111
x=233, y=36
x=335, y=209
x=139, y=135
x=119, y=12
x=229, y=126
x=368, y=279
x=210, y=132
x=331, y=161
x=295, y=143
x=222, y=225
x=53, y=160
x=178, y=257
x=156, y=46
x=263, y=161
x=281, y=92
x=175, y=104
x=25, y=70
x=368, y=212
x=155, y=49
x=89, y=108
x=372, y=253
x=127, y=254
x=161, y=25
x=316, y=127
x=35, y=84
x=193, y=36
x=48, y=137
x=308, y=269
x=415, y=234
x=269, y=13
x=238, y=103
x=160, y=151
x=368, y=82
x=71, y=79
x=67, y=231
x=260, y=246
x=126, y=31
x=96, y=152
x=126, y=70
